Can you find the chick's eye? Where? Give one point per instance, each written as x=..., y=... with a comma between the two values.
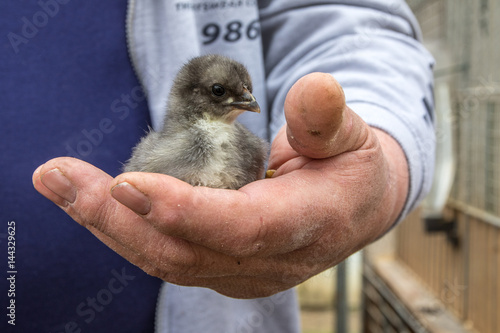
x=218, y=90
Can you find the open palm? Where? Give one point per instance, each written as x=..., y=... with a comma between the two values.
x=338, y=185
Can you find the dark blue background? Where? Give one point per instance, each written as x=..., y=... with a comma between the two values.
x=60, y=84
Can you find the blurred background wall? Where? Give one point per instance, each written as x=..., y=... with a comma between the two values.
x=439, y=270
x=450, y=248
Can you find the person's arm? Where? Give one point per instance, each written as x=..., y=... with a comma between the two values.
x=340, y=184
x=371, y=47
x=264, y=238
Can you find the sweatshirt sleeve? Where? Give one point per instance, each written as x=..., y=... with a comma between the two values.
x=372, y=48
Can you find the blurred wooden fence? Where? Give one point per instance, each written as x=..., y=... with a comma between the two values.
x=464, y=37
x=464, y=278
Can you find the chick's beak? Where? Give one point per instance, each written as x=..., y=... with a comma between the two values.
x=246, y=102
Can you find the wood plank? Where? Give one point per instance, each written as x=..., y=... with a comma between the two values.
x=401, y=246
x=458, y=272
x=492, y=276
x=497, y=293
x=444, y=246
x=473, y=277
x=482, y=288
x=478, y=286
x=424, y=266
x=417, y=298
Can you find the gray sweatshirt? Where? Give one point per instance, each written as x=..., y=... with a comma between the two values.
x=370, y=46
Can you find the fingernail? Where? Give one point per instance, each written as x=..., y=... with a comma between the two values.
x=55, y=181
x=36, y=174
x=37, y=171
x=132, y=198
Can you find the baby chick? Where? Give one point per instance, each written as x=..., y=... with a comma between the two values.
x=201, y=142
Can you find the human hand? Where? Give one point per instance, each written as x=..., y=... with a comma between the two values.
x=339, y=185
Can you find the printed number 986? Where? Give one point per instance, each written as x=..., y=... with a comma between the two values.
x=232, y=32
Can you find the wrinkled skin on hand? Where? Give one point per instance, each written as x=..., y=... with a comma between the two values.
x=339, y=184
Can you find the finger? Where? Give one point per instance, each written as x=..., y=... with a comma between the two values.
x=88, y=200
x=263, y=277
x=46, y=192
x=60, y=201
x=132, y=256
x=319, y=123
x=83, y=192
x=283, y=158
x=254, y=221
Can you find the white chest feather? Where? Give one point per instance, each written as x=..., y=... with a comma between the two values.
x=221, y=137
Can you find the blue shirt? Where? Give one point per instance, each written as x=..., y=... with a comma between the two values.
x=67, y=88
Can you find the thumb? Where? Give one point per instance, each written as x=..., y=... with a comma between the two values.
x=319, y=123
